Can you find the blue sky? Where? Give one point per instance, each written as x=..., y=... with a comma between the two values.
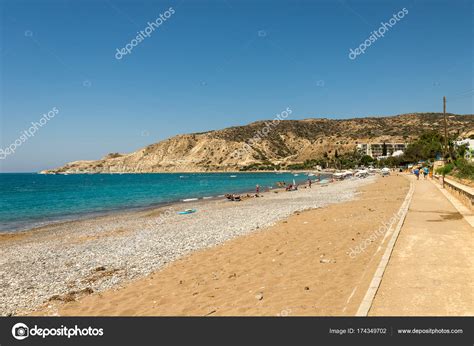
x=215, y=64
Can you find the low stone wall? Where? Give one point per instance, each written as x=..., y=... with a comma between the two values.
x=462, y=192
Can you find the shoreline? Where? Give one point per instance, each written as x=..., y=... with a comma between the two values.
x=300, y=265
x=102, y=253
x=326, y=171
x=67, y=218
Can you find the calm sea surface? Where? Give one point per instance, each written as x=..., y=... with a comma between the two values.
x=28, y=200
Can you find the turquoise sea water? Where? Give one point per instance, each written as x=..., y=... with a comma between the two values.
x=28, y=200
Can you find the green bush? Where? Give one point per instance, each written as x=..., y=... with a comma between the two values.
x=464, y=169
x=366, y=160
x=261, y=166
x=446, y=169
x=296, y=166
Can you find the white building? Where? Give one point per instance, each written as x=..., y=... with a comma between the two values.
x=375, y=150
x=469, y=143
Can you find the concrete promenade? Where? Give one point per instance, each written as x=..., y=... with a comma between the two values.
x=431, y=269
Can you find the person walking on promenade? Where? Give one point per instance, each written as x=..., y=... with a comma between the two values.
x=426, y=171
x=417, y=173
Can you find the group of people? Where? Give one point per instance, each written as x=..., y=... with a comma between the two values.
x=288, y=187
x=237, y=198
x=233, y=197
x=423, y=170
x=291, y=187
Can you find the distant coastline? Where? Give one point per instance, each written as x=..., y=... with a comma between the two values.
x=282, y=147
x=330, y=170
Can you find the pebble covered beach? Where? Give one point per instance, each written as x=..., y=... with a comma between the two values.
x=67, y=260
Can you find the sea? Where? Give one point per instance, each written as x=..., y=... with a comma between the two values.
x=29, y=200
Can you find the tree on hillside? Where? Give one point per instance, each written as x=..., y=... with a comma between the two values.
x=384, y=149
x=426, y=147
x=366, y=160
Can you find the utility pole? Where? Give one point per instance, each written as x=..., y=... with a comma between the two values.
x=445, y=128
x=445, y=136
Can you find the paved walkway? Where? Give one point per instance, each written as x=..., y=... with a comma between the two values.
x=431, y=270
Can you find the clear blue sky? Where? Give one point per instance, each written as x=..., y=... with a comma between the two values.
x=215, y=64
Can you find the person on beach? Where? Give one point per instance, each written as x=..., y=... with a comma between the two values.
x=417, y=173
x=309, y=182
x=233, y=197
x=257, y=190
x=426, y=171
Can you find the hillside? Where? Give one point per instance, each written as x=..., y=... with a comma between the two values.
x=291, y=141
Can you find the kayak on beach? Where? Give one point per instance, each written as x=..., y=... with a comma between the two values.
x=187, y=211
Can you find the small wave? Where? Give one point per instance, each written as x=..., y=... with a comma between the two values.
x=189, y=199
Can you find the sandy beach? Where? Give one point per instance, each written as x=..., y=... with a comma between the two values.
x=263, y=256
x=67, y=260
